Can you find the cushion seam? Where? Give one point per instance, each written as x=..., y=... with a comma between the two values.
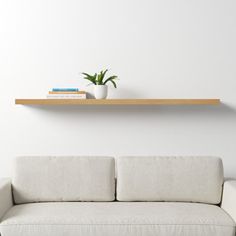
x=118, y=225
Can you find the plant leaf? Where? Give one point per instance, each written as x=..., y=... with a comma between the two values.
x=99, y=80
x=114, y=84
x=91, y=78
x=87, y=75
x=111, y=79
x=95, y=78
x=103, y=75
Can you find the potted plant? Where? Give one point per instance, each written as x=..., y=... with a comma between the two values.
x=100, y=83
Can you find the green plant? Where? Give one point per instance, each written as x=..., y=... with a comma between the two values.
x=99, y=78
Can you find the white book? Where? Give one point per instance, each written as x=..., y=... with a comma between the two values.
x=66, y=96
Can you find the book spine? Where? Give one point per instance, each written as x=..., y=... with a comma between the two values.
x=66, y=92
x=65, y=89
x=72, y=96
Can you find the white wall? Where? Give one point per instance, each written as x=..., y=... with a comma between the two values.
x=159, y=49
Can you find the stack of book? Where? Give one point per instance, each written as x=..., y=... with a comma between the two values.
x=66, y=93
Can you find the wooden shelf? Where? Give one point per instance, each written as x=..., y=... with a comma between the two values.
x=117, y=101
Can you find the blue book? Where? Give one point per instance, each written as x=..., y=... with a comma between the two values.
x=65, y=89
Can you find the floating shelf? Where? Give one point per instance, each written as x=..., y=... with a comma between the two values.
x=117, y=101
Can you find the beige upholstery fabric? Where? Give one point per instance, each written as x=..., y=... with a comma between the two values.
x=189, y=179
x=5, y=196
x=117, y=219
x=40, y=179
x=229, y=198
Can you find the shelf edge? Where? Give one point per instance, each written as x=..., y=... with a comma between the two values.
x=147, y=102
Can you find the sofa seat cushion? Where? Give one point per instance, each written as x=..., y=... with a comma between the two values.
x=117, y=219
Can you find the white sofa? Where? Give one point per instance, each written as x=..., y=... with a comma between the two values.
x=153, y=196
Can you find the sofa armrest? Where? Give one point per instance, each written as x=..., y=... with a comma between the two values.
x=6, y=201
x=229, y=198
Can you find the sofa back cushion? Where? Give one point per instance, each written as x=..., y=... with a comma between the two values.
x=188, y=179
x=44, y=179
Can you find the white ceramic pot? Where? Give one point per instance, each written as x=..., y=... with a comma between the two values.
x=100, y=91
